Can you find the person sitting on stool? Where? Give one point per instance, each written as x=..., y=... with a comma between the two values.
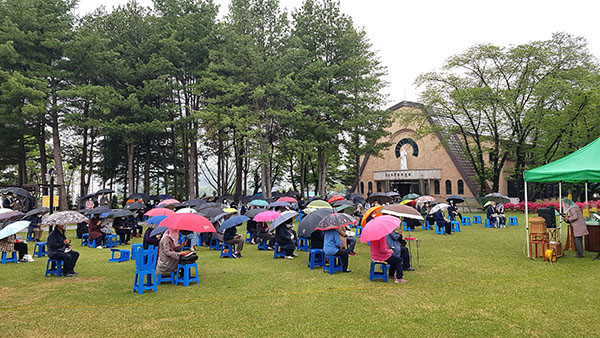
x=59, y=248
x=395, y=242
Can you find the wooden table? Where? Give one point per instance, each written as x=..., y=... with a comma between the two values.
x=592, y=241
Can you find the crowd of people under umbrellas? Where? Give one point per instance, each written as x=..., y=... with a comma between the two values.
x=328, y=225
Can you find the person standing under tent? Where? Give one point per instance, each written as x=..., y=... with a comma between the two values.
x=574, y=217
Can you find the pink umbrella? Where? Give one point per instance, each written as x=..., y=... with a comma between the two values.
x=159, y=212
x=266, y=216
x=189, y=222
x=169, y=201
x=378, y=227
x=287, y=199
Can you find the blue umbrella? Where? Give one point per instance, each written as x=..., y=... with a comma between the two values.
x=158, y=231
x=105, y=214
x=279, y=204
x=259, y=203
x=234, y=221
x=155, y=220
x=13, y=228
x=286, y=216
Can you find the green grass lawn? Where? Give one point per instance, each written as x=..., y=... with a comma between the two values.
x=474, y=283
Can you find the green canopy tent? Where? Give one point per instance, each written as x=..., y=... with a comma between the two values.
x=581, y=166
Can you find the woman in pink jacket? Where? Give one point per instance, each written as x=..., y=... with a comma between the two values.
x=574, y=217
x=382, y=253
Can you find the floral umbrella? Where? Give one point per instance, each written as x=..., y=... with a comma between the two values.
x=64, y=217
x=424, y=199
x=336, y=220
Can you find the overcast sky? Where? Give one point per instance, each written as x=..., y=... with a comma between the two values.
x=413, y=37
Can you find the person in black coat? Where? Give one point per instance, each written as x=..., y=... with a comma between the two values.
x=59, y=248
x=8, y=202
x=286, y=238
x=265, y=235
x=230, y=236
x=316, y=240
x=441, y=221
x=122, y=229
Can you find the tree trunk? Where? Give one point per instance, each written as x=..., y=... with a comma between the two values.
x=237, y=148
x=174, y=141
x=22, y=170
x=130, y=181
x=84, y=159
x=147, y=170
x=303, y=176
x=192, y=166
x=57, y=154
x=322, y=169
x=90, y=165
x=41, y=139
x=265, y=171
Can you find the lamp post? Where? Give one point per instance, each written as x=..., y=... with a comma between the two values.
x=51, y=176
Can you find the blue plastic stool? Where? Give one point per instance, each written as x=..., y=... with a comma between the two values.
x=316, y=258
x=303, y=244
x=278, y=252
x=455, y=226
x=300, y=215
x=171, y=279
x=187, y=278
x=358, y=231
x=145, y=271
x=476, y=219
x=215, y=244
x=226, y=254
x=513, y=221
x=13, y=258
x=181, y=240
x=92, y=244
x=406, y=227
x=85, y=239
x=488, y=224
x=111, y=241
x=30, y=237
x=122, y=257
x=40, y=249
x=54, y=267
x=249, y=237
x=135, y=248
x=332, y=264
x=466, y=220
x=374, y=274
x=426, y=226
x=439, y=230
x=262, y=245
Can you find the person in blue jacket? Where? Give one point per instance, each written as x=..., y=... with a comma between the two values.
x=332, y=245
x=398, y=245
x=441, y=221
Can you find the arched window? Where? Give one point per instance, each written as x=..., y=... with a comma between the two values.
x=370, y=188
x=436, y=187
x=378, y=186
x=448, y=187
x=460, y=186
x=410, y=142
x=362, y=188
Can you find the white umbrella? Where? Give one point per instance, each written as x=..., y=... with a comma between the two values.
x=186, y=211
x=440, y=206
x=13, y=228
x=3, y=210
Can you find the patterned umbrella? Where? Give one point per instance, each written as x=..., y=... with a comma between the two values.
x=401, y=211
x=159, y=212
x=424, y=199
x=11, y=216
x=336, y=220
x=266, y=216
x=64, y=217
x=311, y=221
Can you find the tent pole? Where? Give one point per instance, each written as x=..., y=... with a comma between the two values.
x=586, y=193
x=527, y=221
x=560, y=206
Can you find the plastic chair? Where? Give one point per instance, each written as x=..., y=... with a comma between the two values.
x=487, y=223
x=6, y=259
x=92, y=243
x=406, y=227
x=187, y=278
x=54, y=267
x=316, y=258
x=30, y=237
x=171, y=279
x=262, y=245
x=455, y=226
x=135, y=248
x=122, y=257
x=476, y=219
x=382, y=274
x=250, y=236
x=513, y=221
x=466, y=220
x=111, y=241
x=228, y=254
x=215, y=244
x=439, y=230
x=85, y=239
x=358, y=231
x=278, y=252
x=303, y=244
x=426, y=226
x=145, y=273
x=40, y=249
x=332, y=264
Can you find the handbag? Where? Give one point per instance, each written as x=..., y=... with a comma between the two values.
x=188, y=258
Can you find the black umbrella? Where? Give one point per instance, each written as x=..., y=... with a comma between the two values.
x=93, y=196
x=135, y=206
x=11, y=216
x=393, y=194
x=97, y=210
x=195, y=202
x=253, y=212
x=211, y=212
x=380, y=197
x=342, y=202
x=140, y=195
x=292, y=194
x=311, y=221
x=286, y=216
x=247, y=199
x=208, y=205
x=497, y=197
x=356, y=198
x=18, y=191
x=220, y=216
x=36, y=211
x=122, y=213
x=455, y=198
x=154, y=198
x=104, y=191
x=228, y=198
x=335, y=220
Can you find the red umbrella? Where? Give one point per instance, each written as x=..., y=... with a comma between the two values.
x=379, y=227
x=189, y=222
x=287, y=199
x=266, y=216
x=159, y=212
x=335, y=198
